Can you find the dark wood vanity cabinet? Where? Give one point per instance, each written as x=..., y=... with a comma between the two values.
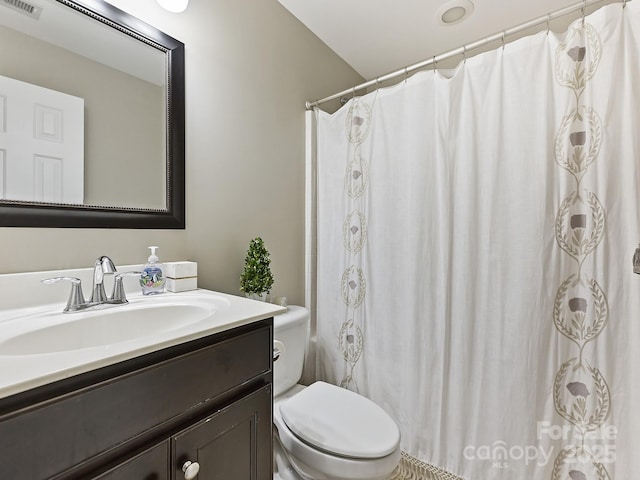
x=150, y=464
x=207, y=401
x=230, y=443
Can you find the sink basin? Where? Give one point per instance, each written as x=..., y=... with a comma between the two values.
x=40, y=345
x=103, y=328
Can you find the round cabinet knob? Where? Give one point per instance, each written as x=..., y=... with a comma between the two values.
x=190, y=470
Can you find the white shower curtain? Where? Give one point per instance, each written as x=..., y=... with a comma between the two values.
x=474, y=243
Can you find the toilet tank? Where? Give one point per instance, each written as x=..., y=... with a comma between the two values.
x=290, y=338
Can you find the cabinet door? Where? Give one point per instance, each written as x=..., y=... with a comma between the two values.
x=234, y=443
x=151, y=464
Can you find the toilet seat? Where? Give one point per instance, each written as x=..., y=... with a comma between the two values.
x=313, y=462
x=340, y=422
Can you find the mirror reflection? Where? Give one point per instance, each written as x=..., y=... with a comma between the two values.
x=83, y=111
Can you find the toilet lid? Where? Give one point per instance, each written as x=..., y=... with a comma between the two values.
x=340, y=422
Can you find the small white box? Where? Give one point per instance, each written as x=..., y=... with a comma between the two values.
x=181, y=284
x=181, y=269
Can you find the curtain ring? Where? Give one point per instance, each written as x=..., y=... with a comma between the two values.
x=353, y=92
x=548, y=23
x=377, y=83
x=406, y=74
x=435, y=65
x=584, y=9
x=624, y=4
x=464, y=53
x=503, y=40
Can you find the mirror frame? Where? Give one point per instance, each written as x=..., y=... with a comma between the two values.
x=35, y=214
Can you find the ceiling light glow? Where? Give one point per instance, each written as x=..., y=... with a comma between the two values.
x=174, y=6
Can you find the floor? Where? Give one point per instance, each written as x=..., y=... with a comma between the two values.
x=411, y=468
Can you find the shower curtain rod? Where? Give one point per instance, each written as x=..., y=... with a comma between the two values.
x=463, y=50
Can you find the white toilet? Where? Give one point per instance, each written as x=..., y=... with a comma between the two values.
x=324, y=432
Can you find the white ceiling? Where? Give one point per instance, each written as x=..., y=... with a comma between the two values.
x=377, y=37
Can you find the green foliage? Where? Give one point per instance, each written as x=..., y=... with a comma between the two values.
x=256, y=277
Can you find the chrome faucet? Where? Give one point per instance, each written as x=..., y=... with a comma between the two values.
x=102, y=266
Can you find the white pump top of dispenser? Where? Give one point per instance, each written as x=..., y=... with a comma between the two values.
x=153, y=258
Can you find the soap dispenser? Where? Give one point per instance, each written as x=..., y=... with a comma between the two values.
x=152, y=278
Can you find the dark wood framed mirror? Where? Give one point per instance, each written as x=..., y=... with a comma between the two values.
x=124, y=164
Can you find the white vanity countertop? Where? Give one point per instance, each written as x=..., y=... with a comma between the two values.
x=41, y=364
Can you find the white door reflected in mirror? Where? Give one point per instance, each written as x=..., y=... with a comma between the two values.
x=41, y=144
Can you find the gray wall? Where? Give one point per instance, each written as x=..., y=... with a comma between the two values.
x=250, y=66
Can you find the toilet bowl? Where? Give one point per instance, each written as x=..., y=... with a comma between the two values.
x=324, y=432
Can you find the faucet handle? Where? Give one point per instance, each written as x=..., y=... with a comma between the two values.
x=118, y=295
x=76, y=297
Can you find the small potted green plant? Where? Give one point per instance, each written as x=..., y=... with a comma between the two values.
x=256, y=279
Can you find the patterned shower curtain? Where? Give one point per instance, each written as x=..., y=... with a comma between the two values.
x=474, y=240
